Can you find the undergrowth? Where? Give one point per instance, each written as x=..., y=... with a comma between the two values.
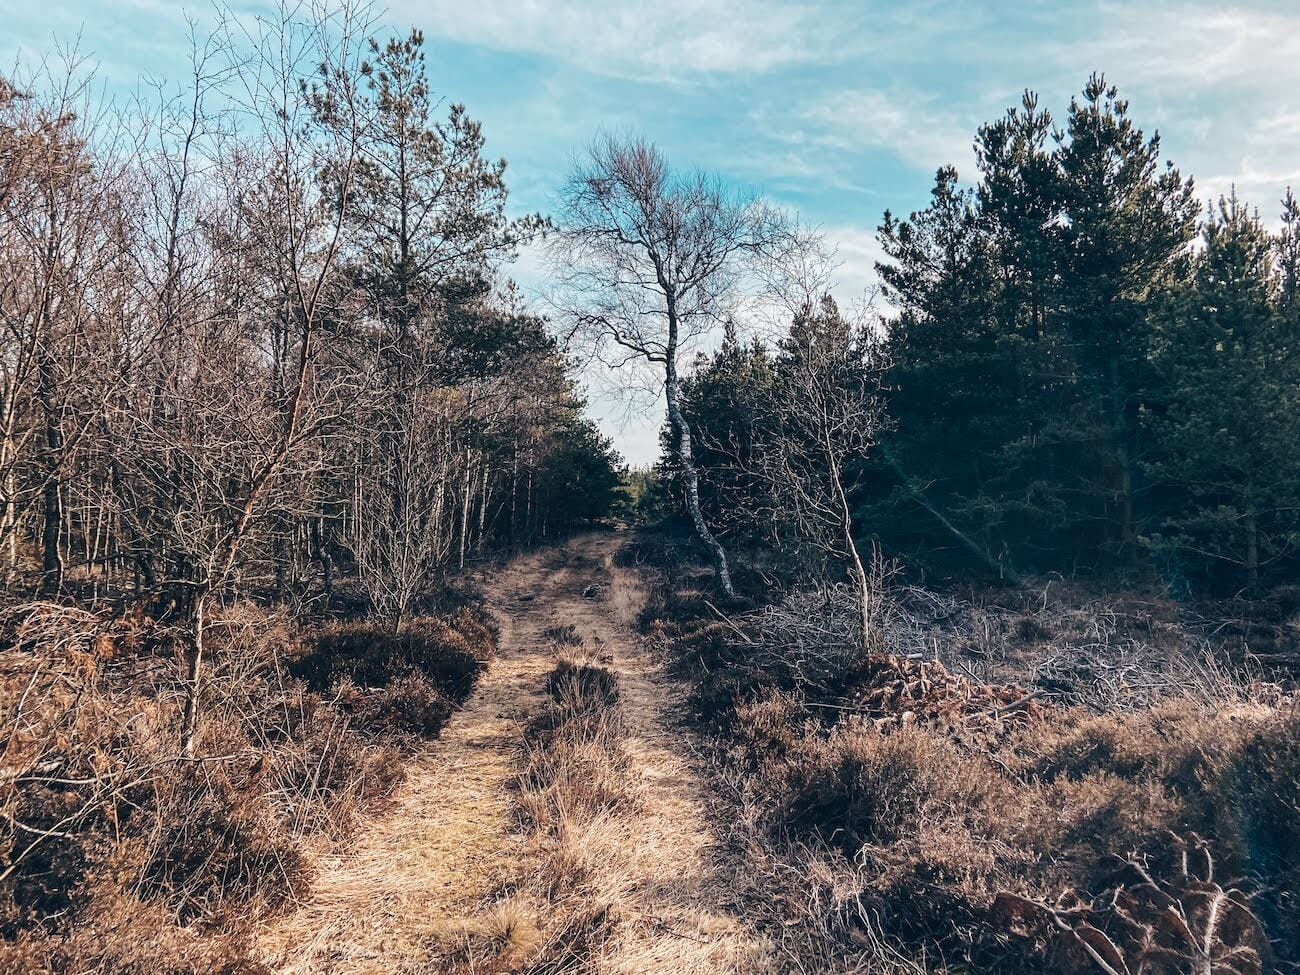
x=575, y=779
x=950, y=806
x=120, y=854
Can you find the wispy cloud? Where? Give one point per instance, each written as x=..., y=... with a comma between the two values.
x=1174, y=44
x=670, y=41
x=906, y=124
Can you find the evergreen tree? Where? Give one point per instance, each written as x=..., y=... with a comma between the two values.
x=722, y=399
x=1020, y=350
x=1125, y=222
x=1228, y=426
x=952, y=382
x=1287, y=247
x=428, y=215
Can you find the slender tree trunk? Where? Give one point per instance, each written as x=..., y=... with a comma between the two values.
x=467, y=500
x=51, y=492
x=860, y=577
x=1124, y=458
x=482, y=507
x=1252, y=551
x=322, y=553
x=691, y=478
x=193, y=673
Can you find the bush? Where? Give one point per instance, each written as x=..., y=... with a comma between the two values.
x=575, y=767
x=110, y=837
x=911, y=798
x=451, y=651
x=409, y=703
x=225, y=846
x=862, y=786
x=409, y=681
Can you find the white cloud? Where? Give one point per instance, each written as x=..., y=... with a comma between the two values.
x=1201, y=46
x=907, y=125
x=855, y=281
x=671, y=40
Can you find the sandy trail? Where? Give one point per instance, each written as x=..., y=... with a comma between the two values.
x=450, y=839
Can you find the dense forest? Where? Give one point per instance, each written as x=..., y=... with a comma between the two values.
x=244, y=346
x=933, y=606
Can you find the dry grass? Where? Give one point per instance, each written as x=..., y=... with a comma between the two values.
x=624, y=873
x=888, y=845
x=119, y=853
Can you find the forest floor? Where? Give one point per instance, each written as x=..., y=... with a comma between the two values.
x=452, y=845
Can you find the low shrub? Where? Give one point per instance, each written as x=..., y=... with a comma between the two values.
x=451, y=651
x=410, y=681
x=119, y=853
x=575, y=767
x=565, y=635
x=911, y=797
x=126, y=936
x=576, y=687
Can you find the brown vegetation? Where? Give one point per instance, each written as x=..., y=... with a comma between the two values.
x=119, y=854
x=908, y=818
x=575, y=775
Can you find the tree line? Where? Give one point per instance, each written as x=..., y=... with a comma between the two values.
x=1075, y=366
x=257, y=332
x=254, y=329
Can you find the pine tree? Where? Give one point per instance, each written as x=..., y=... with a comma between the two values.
x=952, y=382
x=1229, y=420
x=428, y=214
x=1021, y=345
x=722, y=399
x=1125, y=222
x=1287, y=248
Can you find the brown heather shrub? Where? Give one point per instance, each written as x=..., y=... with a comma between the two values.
x=409, y=681
x=863, y=786
x=110, y=839
x=575, y=767
x=410, y=703
x=565, y=635
x=575, y=687
x=224, y=847
x=124, y=936
x=934, y=829
x=770, y=724
x=912, y=829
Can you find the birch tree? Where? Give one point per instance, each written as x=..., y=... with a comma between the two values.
x=648, y=261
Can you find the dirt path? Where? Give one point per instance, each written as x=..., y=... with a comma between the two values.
x=450, y=839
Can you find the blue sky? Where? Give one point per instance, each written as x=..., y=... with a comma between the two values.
x=837, y=109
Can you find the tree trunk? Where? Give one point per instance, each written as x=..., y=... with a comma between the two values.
x=466, y=501
x=193, y=671
x=860, y=577
x=1124, y=458
x=322, y=554
x=51, y=493
x=1252, y=551
x=678, y=420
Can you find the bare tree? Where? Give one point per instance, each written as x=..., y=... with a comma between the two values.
x=399, y=534
x=302, y=107
x=254, y=320
x=826, y=414
x=56, y=242
x=649, y=260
